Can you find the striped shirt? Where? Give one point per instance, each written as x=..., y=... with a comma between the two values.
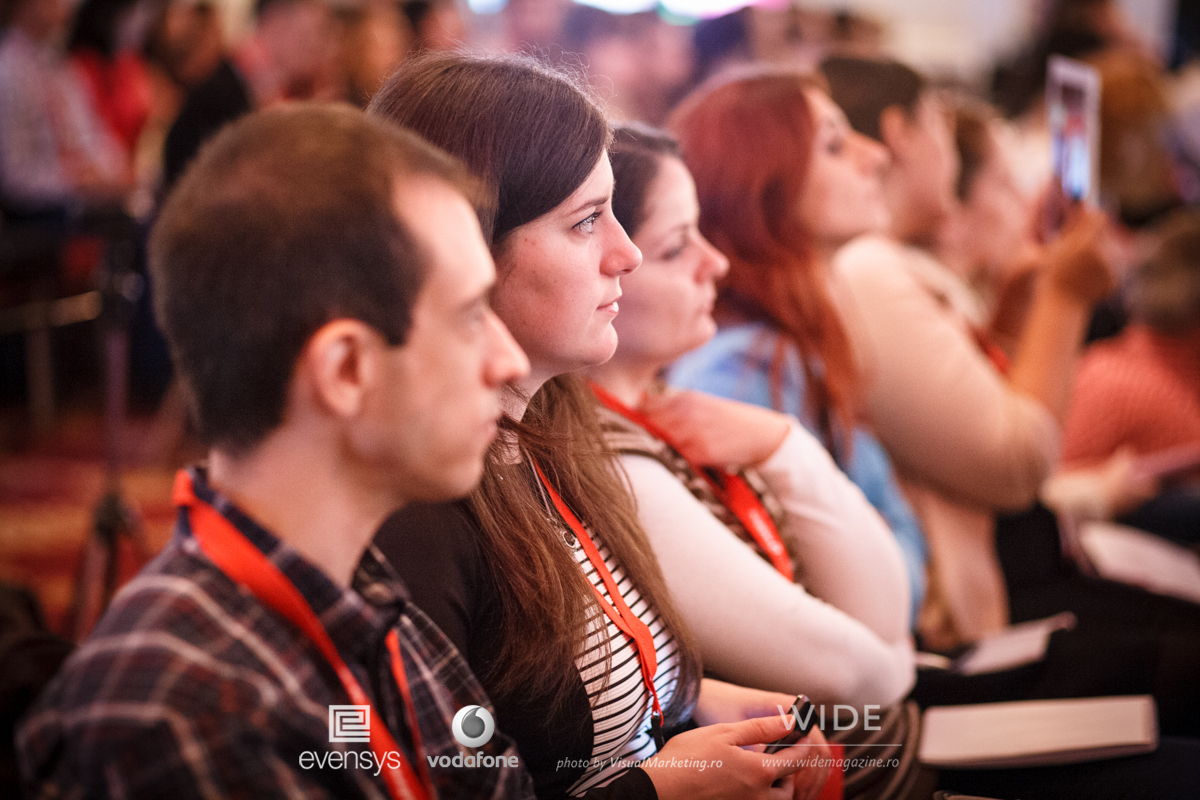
x=189, y=687
x=620, y=704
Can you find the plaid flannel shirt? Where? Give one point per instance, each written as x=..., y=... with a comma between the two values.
x=189, y=687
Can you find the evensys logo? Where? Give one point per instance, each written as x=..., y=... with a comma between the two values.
x=473, y=726
x=350, y=723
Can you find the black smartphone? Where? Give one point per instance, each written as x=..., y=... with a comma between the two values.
x=802, y=710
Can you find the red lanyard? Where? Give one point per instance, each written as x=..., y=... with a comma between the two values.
x=732, y=490
x=618, y=610
x=992, y=350
x=247, y=566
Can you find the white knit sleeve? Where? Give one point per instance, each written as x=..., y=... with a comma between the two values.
x=751, y=625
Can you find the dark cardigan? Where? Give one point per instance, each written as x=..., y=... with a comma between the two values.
x=435, y=548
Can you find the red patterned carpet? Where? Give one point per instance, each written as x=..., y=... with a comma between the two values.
x=49, y=488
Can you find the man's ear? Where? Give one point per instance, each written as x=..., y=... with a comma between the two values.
x=893, y=129
x=341, y=365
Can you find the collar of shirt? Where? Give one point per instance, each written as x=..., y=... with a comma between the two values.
x=357, y=618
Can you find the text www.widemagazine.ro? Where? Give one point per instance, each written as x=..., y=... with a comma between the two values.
x=839, y=762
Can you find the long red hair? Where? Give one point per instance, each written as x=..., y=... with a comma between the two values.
x=748, y=141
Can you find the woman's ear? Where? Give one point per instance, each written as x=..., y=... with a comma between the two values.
x=340, y=365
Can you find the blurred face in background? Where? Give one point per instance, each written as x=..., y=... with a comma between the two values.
x=301, y=37
x=441, y=27
x=666, y=308
x=843, y=193
x=992, y=222
x=372, y=42
x=924, y=164
x=41, y=20
x=187, y=41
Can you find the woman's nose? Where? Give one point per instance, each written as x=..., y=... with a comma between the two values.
x=714, y=264
x=622, y=256
x=873, y=156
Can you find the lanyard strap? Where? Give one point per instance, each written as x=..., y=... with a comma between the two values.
x=731, y=490
x=992, y=350
x=247, y=566
x=618, y=610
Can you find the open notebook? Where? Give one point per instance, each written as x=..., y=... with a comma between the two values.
x=1008, y=648
x=1038, y=732
x=1128, y=555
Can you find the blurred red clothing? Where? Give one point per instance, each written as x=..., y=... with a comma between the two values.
x=1141, y=389
x=120, y=92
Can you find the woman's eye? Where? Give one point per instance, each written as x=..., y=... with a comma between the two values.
x=475, y=320
x=674, y=252
x=587, y=224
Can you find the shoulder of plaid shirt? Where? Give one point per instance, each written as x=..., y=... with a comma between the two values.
x=191, y=687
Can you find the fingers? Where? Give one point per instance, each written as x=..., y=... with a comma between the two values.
x=782, y=789
x=761, y=704
x=808, y=782
x=1080, y=261
x=760, y=730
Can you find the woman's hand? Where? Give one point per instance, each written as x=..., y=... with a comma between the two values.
x=1125, y=486
x=710, y=763
x=1081, y=261
x=727, y=702
x=713, y=431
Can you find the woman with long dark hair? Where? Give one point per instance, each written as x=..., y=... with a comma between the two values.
x=544, y=579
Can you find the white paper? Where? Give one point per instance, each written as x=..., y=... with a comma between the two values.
x=1014, y=646
x=1127, y=555
x=1035, y=732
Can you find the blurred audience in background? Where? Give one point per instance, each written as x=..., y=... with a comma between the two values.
x=56, y=151
x=638, y=62
x=1138, y=394
x=372, y=39
x=105, y=47
x=290, y=56
x=436, y=24
x=961, y=326
x=1073, y=28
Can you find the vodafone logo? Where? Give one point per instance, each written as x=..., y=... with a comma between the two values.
x=473, y=726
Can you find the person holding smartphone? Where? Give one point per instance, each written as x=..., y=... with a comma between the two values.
x=971, y=434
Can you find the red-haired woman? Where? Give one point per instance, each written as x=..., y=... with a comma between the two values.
x=779, y=216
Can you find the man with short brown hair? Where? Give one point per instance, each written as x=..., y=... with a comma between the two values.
x=323, y=284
